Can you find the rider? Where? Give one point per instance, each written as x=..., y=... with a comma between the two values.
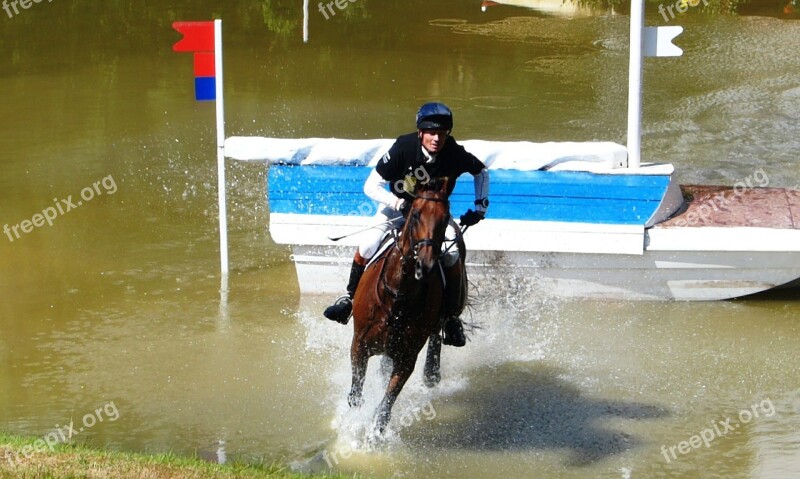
x=422, y=156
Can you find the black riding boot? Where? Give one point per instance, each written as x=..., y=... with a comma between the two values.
x=340, y=310
x=454, y=332
x=453, y=305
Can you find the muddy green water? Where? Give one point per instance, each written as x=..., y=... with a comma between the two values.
x=111, y=317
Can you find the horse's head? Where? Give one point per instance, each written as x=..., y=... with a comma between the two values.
x=425, y=226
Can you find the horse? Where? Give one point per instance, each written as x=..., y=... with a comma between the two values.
x=397, y=306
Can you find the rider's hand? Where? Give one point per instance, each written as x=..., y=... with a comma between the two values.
x=471, y=217
x=402, y=206
x=405, y=208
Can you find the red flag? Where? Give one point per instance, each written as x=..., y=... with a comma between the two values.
x=204, y=64
x=198, y=38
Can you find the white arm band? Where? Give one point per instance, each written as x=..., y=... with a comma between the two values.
x=481, y=188
x=375, y=189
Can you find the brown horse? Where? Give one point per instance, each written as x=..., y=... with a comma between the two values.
x=397, y=306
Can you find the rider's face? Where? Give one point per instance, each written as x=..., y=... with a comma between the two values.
x=433, y=140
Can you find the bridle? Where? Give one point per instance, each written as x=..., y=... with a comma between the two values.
x=416, y=247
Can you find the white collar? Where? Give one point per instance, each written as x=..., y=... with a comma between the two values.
x=428, y=157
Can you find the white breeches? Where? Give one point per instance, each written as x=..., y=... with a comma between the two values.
x=371, y=239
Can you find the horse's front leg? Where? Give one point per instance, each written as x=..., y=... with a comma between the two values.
x=386, y=367
x=358, y=363
x=403, y=367
x=432, y=371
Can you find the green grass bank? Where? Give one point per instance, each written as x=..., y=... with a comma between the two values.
x=30, y=458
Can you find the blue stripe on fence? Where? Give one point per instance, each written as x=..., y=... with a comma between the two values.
x=515, y=194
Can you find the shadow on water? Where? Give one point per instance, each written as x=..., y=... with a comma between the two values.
x=524, y=406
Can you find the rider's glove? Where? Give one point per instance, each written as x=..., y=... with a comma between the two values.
x=471, y=217
x=399, y=204
x=402, y=206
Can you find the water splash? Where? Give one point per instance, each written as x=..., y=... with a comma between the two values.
x=512, y=321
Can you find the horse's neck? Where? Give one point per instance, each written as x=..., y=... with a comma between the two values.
x=400, y=275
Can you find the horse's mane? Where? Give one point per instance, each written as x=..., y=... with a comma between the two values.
x=434, y=185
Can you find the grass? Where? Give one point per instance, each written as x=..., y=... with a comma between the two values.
x=29, y=458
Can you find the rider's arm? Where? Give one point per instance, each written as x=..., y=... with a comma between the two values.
x=481, y=190
x=375, y=189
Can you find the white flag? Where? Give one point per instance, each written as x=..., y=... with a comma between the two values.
x=657, y=41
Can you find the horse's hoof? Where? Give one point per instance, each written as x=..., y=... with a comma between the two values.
x=355, y=401
x=377, y=434
x=431, y=380
x=375, y=438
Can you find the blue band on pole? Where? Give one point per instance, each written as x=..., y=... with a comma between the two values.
x=205, y=88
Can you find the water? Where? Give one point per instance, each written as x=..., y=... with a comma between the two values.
x=118, y=301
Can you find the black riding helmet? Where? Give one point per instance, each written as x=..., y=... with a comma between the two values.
x=434, y=116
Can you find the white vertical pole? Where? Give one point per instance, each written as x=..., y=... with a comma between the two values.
x=305, y=21
x=635, y=85
x=223, y=212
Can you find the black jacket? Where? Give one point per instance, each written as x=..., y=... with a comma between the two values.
x=404, y=164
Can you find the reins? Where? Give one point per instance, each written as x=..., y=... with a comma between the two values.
x=415, y=247
x=459, y=233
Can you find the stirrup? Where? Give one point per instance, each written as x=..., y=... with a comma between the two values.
x=454, y=333
x=340, y=310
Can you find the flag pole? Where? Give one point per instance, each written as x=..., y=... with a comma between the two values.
x=221, y=188
x=305, y=21
x=635, y=85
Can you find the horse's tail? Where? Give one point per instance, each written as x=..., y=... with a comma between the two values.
x=468, y=302
x=462, y=257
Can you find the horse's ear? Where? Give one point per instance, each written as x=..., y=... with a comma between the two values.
x=437, y=184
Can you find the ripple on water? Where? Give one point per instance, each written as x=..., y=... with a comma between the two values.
x=500, y=102
x=447, y=22
x=554, y=65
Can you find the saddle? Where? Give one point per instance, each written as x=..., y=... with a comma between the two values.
x=387, y=241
